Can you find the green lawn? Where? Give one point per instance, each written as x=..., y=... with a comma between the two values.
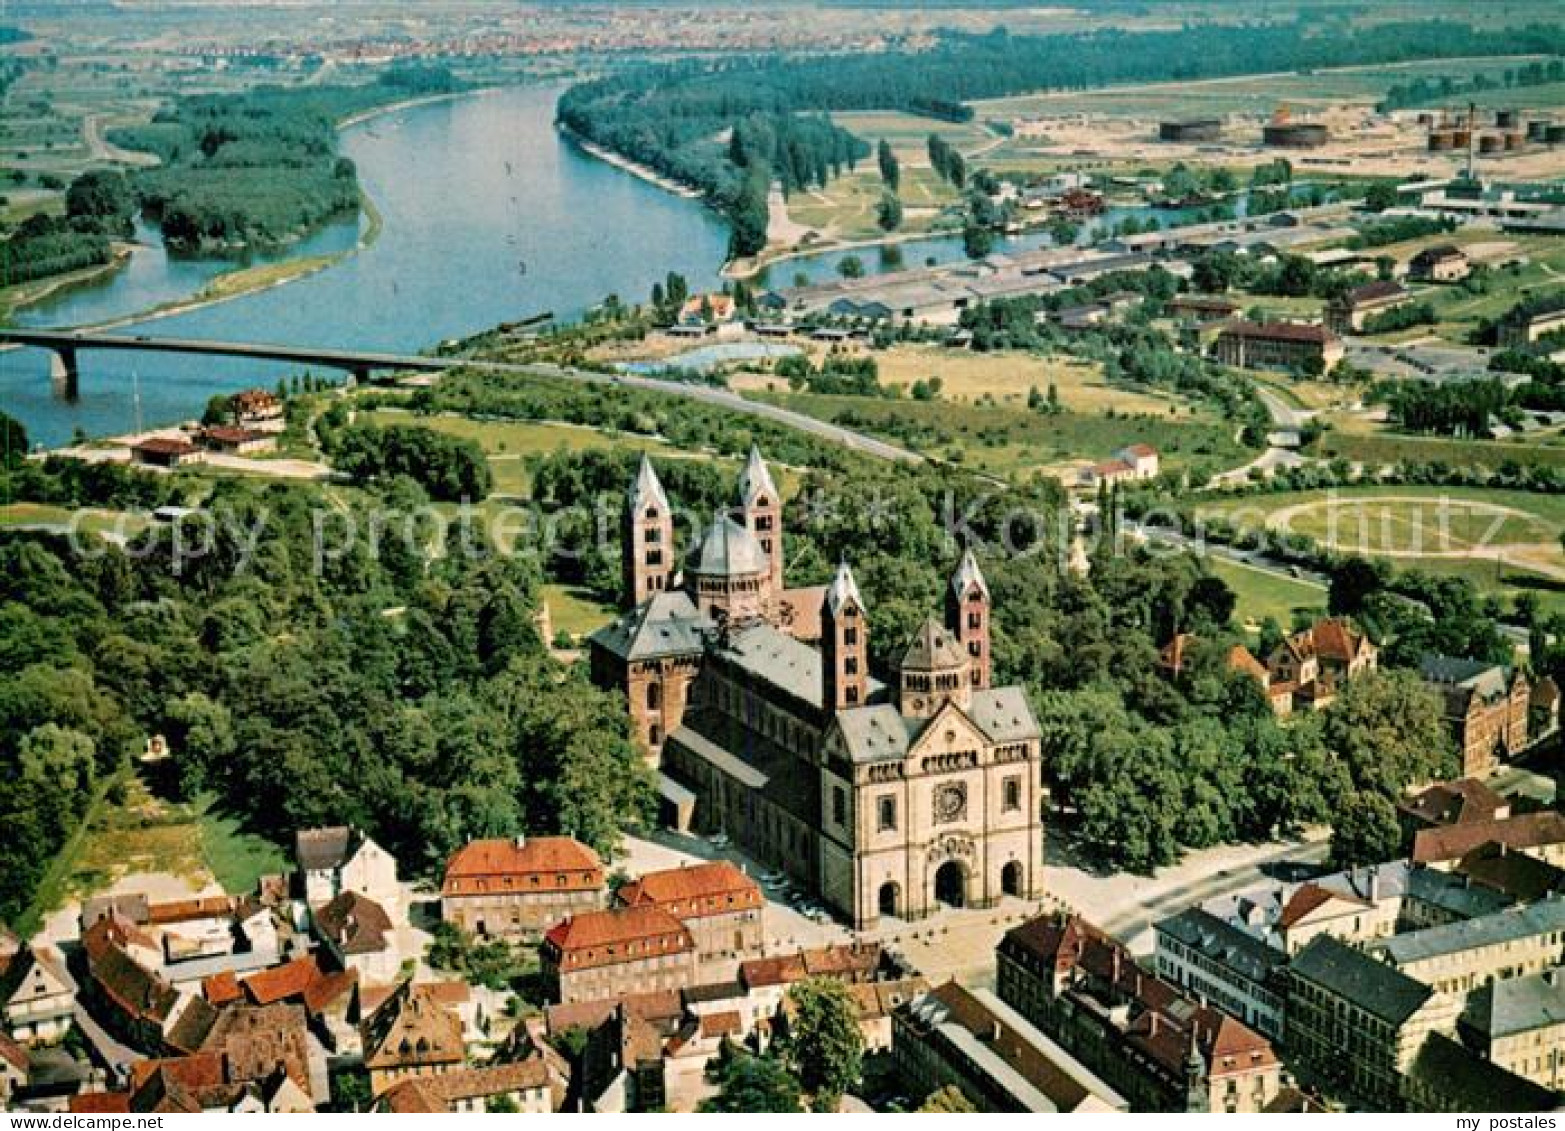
x=1384, y=448
x=575, y=611
x=1003, y=439
x=1264, y=594
x=236, y=857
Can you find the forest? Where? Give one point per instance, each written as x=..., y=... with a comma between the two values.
x=99, y=208
x=671, y=117
x=260, y=168
x=401, y=688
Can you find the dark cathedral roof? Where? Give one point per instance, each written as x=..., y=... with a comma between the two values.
x=728, y=550
x=666, y=624
x=933, y=649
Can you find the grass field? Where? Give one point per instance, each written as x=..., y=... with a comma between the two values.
x=1384, y=448
x=1005, y=439
x=1263, y=594
x=1005, y=377
x=129, y=830
x=92, y=520
x=908, y=134
x=846, y=208
x=1504, y=542
x=576, y=611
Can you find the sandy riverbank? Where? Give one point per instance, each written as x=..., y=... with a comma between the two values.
x=634, y=168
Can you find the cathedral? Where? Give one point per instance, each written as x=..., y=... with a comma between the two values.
x=757, y=704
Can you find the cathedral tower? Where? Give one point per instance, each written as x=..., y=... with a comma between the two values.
x=967, y=615
x=844, y=644
x=647, y=537
x=760, y=506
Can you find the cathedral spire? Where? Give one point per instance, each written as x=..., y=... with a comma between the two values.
x=756, y=479
x=967, y=616
x=647, y=537
x=844, y=644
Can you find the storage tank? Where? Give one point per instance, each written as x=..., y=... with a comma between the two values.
x=1441, y=140
x=1491, y=143
x=1295, y=135
x=1555, y=135
x=1514, y=140
x=1505, y=119
x=1461, y=138
x=1538, y=130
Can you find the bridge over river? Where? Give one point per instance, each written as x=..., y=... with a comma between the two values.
x=67, y=345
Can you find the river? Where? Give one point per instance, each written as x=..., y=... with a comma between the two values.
x=489, y=215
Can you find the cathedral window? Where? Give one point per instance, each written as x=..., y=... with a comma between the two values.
x=887, y=810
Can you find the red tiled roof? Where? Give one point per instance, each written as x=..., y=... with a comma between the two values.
x=624, y=934
x=355, y=923
x=301, y=979
x=1279, y=331
x=1457, y=802
x=198, y=1071
x=12, y=1053
x=1375, y=291
x=1529, y=830
x=228, y=434
x=1309, y=898
x=1241, y=659
x=782, y=970
x=1142, y=450
x=725, y=1023
x=659, y=1007
x=713, y=888
x=221, y=988
x=541, y=864
x=101, y=1103
x=165, y=446
x=183, y=910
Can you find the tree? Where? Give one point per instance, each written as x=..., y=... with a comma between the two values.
x=219, y=410
x=1380, y=196
x=890, y=171
x=950, y=1100
x=1388, y=729
x=824, y=1044
x=851, y=267
x=1353, y=582
x=1365, y=831
x=13, y=443
x=750, y=1083
x=102, y=198
x=888, y=213
x=977, y=241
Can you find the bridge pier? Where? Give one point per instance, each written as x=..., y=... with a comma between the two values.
x=64, y=372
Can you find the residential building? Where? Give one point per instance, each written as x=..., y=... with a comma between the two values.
x=1278, y=345
x=1348, y=312
x=359, y=935
x=411, y=1035
x=1447, y=1077
x=1202, y=308
x=1459, y=802
x=622, y=1066
x=255, y=406
x=232, y=440
x=1540, y=835
x=886, y=801
x=525, y=1086
x=970, y=1039
x=338, y=859
x=38, y=995
x=1355, y=1024
x=1484, y=706
x=166, y=452
x=607, y=954
x=1222, y=966
x=1311, y=665
x=14, y=1068
x=1457, y=958
x=1519, y=1024
x=1443, y=263
x=877, y=1004
x=1152, y=1044
x=722, y=907
x=1129, y=465
x=1529, y=321
x=518, y=888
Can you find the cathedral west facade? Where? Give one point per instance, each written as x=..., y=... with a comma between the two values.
x=885, y=799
